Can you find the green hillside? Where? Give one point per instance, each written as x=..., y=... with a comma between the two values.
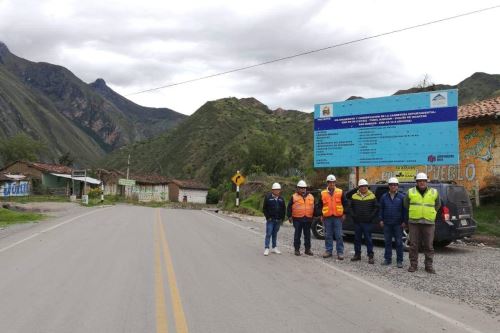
x=223, y=136
x=23, y=110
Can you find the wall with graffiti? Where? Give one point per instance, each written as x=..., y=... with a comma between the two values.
x=14, y=188
x=479, y=158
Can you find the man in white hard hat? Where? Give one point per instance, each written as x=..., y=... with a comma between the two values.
x=332, y=205
x=392, y=219
x=364, y=212
x=274, y=211
x=423, y=203
x=300, y=212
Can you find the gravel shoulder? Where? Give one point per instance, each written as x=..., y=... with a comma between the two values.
x=52, y=210
x=466, y=273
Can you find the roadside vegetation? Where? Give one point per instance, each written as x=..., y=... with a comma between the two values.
x=37, y=198
x=8, y=217
x=488, y=219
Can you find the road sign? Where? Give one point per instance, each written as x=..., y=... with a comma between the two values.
x=238, y=179
x=126, y=182
x=411, y=129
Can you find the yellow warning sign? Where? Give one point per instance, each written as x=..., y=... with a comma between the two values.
x=238, y=179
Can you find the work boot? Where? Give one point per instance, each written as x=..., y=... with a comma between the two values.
x=297, y=252
x=430, y=269
x=309, y=252
x=371, y=260
x=412, y=268
x=327, y=255
x=356, y=257
x=340, y=257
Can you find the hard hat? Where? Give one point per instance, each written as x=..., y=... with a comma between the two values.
x=421, y=176
x=331, y=178
x=301, y=183
x=276, y=186
x=362, y=182
x=393, y=180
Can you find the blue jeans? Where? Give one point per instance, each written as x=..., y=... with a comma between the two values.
x=302, y=225
x=272, y=228
x=396, y=231
x=360, y=230
x=333, y=225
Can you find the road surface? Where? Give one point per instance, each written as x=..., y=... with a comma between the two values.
x=138, y=269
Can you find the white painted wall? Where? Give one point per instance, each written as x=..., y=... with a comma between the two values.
x=197, y=196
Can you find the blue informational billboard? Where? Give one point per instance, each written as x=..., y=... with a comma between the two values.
x=412, y=129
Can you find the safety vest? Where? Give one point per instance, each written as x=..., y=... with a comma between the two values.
x=332, y=204
x=422, y=207
x=302, y=206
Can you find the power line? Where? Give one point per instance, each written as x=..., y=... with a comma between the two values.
x=317, y=50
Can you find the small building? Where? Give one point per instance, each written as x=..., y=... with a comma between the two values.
x=147, y=187
x=52, y=179
x=42, y=176
x=150, y=188
x=187, y=191
x=14, y=185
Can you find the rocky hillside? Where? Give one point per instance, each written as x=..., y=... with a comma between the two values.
x=51, y=104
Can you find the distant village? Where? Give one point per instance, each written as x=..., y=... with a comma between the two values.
x=22, y=178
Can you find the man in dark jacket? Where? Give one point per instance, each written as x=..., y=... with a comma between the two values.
x=364, y=212
x=274, y=211
x=392, y=218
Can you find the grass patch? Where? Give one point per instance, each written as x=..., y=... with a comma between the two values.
x=38, y=198
x=8, y=217
x=488, y=219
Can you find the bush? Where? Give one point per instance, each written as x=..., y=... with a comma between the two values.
x=95, y=193
x=213, y=196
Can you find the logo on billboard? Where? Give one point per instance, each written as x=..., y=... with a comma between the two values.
x=439, y=99
x=326, y=111
x=431, y=158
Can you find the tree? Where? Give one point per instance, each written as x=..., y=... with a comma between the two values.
x=266, y=153
x=20, y=147
x=66, y=159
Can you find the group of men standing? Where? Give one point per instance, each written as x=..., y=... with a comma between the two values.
x=394, y=211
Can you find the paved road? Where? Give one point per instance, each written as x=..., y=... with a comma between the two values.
x=136, y=269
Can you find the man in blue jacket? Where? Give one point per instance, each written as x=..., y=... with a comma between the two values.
x=274, y=211
x=392, y=218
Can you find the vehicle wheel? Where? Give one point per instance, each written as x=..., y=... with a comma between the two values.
x=442, y=243
x=406, y=240
x=317, y=229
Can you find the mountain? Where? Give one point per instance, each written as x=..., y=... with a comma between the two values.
x=475, y=88
x=215, y=141
x=49, y=103
x=149, y=122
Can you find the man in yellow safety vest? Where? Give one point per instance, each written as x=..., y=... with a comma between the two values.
x=422, y=203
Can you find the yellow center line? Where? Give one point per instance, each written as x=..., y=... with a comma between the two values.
x=180, y=319
x=161, y=308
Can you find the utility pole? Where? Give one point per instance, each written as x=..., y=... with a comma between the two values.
x=128, y=165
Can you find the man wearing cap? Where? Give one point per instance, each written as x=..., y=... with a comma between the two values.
x=300, y=212
x=331, y=209
x=274, y=211
x=364, y=212
x=422, y=203
x=392, y=218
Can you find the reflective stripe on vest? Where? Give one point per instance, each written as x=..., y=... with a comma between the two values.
x=422, y=207
x=332, y=204
x=302, y=206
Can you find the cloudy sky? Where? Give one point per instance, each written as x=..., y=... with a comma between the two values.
x=138, y=45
